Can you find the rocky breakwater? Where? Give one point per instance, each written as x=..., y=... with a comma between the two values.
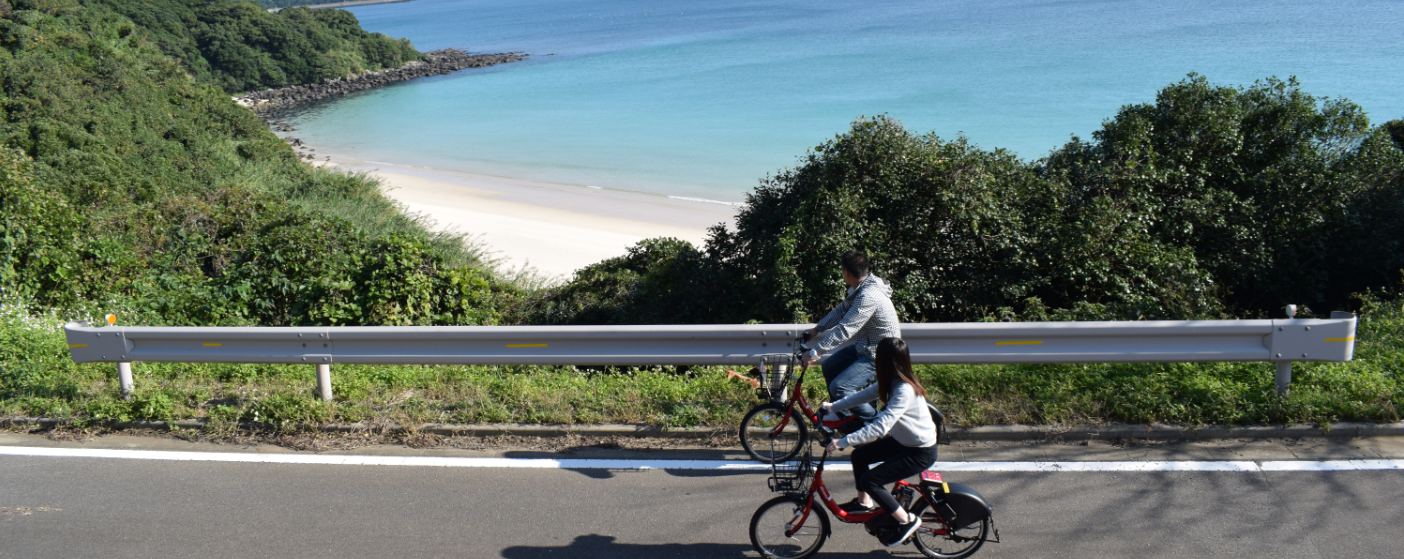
x=435, y=63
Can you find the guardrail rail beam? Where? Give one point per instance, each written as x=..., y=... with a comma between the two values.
x=1280, y=341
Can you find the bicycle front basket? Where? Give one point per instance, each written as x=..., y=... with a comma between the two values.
x=792, y=476
x=775, y=377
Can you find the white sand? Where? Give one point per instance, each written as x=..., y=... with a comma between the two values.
x=553, y=229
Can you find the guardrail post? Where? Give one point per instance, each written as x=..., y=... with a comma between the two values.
x=124, y=377
x=1284, y=377
x=1284, y=368
x=324, y=382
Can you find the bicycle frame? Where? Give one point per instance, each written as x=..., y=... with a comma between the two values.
x=797, y=397
x=818, y=487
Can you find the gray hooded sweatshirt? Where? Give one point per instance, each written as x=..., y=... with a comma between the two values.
x=865, y=316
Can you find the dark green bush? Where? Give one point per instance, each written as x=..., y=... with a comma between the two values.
x=1266, y=190
x=37, y=231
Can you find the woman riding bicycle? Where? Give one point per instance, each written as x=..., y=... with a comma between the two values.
x=902, y=435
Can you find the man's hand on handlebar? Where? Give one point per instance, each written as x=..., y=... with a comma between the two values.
x=808, y=358
x=833, y=446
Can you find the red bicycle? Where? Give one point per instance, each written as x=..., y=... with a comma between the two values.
x=777, y=429
x=955, y=520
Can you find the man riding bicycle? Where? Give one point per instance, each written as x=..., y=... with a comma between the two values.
x=865, y=317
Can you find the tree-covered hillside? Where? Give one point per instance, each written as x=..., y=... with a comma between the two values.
x=239, y=46
x=128, y=184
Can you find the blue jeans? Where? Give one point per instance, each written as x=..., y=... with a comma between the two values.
x=846, y=371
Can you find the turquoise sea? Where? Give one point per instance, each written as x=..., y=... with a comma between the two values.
x=703, y=99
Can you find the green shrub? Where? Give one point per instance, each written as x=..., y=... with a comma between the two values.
x=289, y=410
x=153, y=405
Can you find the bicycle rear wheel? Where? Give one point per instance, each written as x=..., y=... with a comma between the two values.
x=963, y=543
x=757, y=428
x=773, y=518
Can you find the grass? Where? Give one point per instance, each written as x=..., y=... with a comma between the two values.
x=37, y=379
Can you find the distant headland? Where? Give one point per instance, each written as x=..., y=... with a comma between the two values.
x=347, y=4
x=435, y=63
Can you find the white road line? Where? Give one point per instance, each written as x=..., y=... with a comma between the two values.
x=591, y=463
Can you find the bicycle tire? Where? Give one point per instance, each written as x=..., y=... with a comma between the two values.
x=770, y=521
x=754, y=434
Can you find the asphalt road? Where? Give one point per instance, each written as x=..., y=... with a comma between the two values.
x=90, y=507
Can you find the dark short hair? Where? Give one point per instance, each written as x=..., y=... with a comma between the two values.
x=856, y=263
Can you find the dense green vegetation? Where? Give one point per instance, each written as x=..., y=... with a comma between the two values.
x=239, y=46
x=1211, y=201
x=131, y=183
x=128, y=183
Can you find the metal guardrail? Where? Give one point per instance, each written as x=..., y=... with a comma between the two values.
x=1282, y=341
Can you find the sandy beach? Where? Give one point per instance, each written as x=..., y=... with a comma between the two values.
x=553, y=229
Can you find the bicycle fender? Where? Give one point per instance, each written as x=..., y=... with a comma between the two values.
x=969, y=506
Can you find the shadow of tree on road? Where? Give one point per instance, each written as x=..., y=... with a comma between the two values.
x=596, y=546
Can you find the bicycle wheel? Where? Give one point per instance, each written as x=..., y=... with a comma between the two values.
x=963, y=543
x=773, y=518
x=760, y=422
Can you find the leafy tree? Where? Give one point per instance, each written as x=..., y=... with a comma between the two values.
x=1255, y=181
x=940, y=218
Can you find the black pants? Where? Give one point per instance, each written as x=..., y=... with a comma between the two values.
x=898, y=463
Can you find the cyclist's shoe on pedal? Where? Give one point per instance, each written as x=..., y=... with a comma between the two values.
x=904, y=531
x=856, y=506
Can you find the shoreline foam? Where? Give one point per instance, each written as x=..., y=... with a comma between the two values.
x=549, y=228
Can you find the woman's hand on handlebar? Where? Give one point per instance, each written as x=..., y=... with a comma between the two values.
x=826, y=406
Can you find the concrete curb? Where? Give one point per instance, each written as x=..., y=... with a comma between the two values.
x=972, y=434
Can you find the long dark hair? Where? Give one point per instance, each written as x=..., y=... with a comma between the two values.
x=894, y=363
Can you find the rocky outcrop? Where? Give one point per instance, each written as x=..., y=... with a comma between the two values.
x=435, y=63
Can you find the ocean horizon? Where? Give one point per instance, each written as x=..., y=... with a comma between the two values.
x=704, y=101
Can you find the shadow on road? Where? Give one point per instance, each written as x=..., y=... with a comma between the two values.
x=578, y=452
x=603, y=473
x=595, y=546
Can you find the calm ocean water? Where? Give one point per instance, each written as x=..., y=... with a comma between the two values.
x=702, y=99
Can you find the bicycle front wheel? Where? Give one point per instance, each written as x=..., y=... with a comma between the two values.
x=762, y=442
x=775, y=517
